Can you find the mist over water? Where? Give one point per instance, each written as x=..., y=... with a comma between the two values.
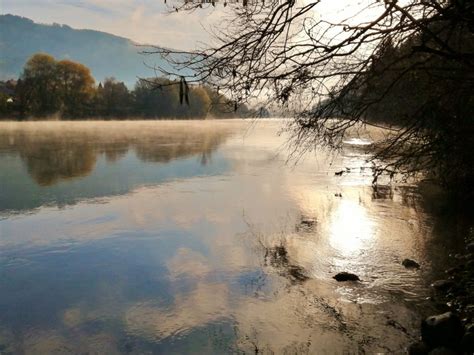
x=159, y=237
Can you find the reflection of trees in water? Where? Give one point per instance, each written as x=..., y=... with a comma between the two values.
x=186, y=144
x=52, y=155
x=48, y=165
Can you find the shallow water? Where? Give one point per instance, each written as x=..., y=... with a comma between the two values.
x=199, y=237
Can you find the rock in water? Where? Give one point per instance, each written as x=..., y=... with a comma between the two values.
x=346, y=276
x=442, y=330
x=410, y=264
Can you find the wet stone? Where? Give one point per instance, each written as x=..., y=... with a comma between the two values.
x=346, y=276
x=410, y=264
x=442, y=330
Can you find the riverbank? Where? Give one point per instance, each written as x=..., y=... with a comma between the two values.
x=451, y=331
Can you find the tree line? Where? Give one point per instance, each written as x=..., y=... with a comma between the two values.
x=66, y=89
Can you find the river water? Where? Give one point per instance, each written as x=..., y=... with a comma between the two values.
x=201, y=237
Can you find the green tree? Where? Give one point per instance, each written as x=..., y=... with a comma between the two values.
x=156, y=98
x=113, y=99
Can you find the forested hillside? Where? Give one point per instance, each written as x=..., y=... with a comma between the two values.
x=105, y=54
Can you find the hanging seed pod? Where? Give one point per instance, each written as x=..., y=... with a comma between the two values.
x=186, y=91
x=181, y=91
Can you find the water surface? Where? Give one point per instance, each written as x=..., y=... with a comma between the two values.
x=199, y=237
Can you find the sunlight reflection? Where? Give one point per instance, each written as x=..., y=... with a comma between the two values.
x=350, y=228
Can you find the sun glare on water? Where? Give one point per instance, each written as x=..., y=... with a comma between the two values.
x=350, y=229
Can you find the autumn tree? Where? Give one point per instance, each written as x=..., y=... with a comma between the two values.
x=39, y=85
x=75, y=88
x=49, y=87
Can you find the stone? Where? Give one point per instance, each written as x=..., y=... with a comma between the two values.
x=346, y=276
x=410, y=264
x=418, y=348
x=442, y=330
x=442, y=285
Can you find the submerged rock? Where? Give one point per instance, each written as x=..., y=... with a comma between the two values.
x=410, y=264
x=346, y=276
x=442, y=330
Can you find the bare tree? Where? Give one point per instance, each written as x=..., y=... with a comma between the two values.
x=403, y=65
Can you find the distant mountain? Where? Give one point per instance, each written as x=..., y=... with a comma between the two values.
x=105, y=54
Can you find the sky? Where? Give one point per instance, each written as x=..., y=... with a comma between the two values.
x=143, y=21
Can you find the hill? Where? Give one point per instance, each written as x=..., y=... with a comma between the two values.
x=105, y=54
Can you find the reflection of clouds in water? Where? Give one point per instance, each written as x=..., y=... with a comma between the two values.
x=203, y=305
x=54, y=342
x=187, y=263
x=209, y=259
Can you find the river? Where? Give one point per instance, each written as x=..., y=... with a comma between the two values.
x=202, y=237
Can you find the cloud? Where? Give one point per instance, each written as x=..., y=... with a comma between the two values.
x=87, y=5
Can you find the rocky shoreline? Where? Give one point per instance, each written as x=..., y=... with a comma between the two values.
x=452, y=330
